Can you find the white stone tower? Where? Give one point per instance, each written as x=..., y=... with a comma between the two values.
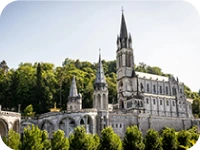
x=126, y=77
x=100, y=101
x=74, y=99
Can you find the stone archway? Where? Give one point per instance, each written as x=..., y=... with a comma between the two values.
x=3, y=127
x=48, y=126
x=88, y=123
x=16, y=126
x=67, y=124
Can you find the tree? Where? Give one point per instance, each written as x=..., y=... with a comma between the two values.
x=4, y=66
x=133, y=139
x=13, y=140
x=28, y=111
x=183, y=139
x=109, y=140
x=152, y=140
x=169, y=139
x=59, y=141
x=35, y=139
x=81, y=140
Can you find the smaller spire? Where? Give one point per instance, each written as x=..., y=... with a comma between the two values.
x=100, y=73
x=73, y=88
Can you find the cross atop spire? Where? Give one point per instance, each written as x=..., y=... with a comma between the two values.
x=122, y=9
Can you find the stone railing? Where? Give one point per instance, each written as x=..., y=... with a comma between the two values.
x=9, y=113
x=67, y=112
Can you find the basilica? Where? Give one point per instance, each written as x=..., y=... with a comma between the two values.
x=145, y=100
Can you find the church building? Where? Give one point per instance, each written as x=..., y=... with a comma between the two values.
x=145, y=100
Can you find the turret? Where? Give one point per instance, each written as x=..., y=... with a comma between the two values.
x=74, y=99
x=100, y=88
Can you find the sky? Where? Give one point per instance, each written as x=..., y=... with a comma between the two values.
x=164, y=33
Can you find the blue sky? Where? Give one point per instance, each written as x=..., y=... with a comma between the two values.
x=165, y=34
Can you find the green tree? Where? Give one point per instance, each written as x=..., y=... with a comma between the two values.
x=35, y=139
x=28, y=111
x=81, y=140
x=183, y=139
x=169, y=139
x=59, y=141
x=133, y=139
x=109, y=140
x=152, y=140
x=194, y=133
x=13, y=140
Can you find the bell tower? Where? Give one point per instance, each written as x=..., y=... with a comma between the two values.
x=125, y=64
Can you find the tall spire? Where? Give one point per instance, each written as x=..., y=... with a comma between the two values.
x=100, y=73
x=123, y=30
x=73, y=88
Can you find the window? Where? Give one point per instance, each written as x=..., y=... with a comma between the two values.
x=116, y=125
x=160, y=89
x=166, y=90
x=174, y=91
x=141, y=104
x=154, y=101
x=141, y=87
x=167, y=103
x=147, y=100
x=154, y=88
x=173, y=103
x=181, y=91
x=160, y=102
x=147, y=87
x=120, y=125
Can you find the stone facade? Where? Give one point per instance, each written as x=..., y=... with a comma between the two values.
x=9, y=120
x=145, y=100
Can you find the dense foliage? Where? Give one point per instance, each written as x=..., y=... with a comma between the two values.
x=36, y=139
x=109, y=140
x=81, y=140
x=133, y=139
x=42, y=84
x=152, y=140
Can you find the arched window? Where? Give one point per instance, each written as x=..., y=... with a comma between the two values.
x=141, y=87
x=160, y=89
x=167, y=103
x=130, y=59
x=127, y=59
x=104, y=101
x=147, y=87
x=147, y=100
x=174, y=91
x=154, y=88
x=71, y=108
x=154, y=101
x=99, y=101
x=167, y=90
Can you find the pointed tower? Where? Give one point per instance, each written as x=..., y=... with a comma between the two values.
x=100, y=101
x=125, y=65
x=74, y=99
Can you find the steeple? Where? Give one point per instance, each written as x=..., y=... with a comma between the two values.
x=123, y=40
x=73, y=88
x=123, y=30
x=74, y=99
x=100, y=78
x=100, y=101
